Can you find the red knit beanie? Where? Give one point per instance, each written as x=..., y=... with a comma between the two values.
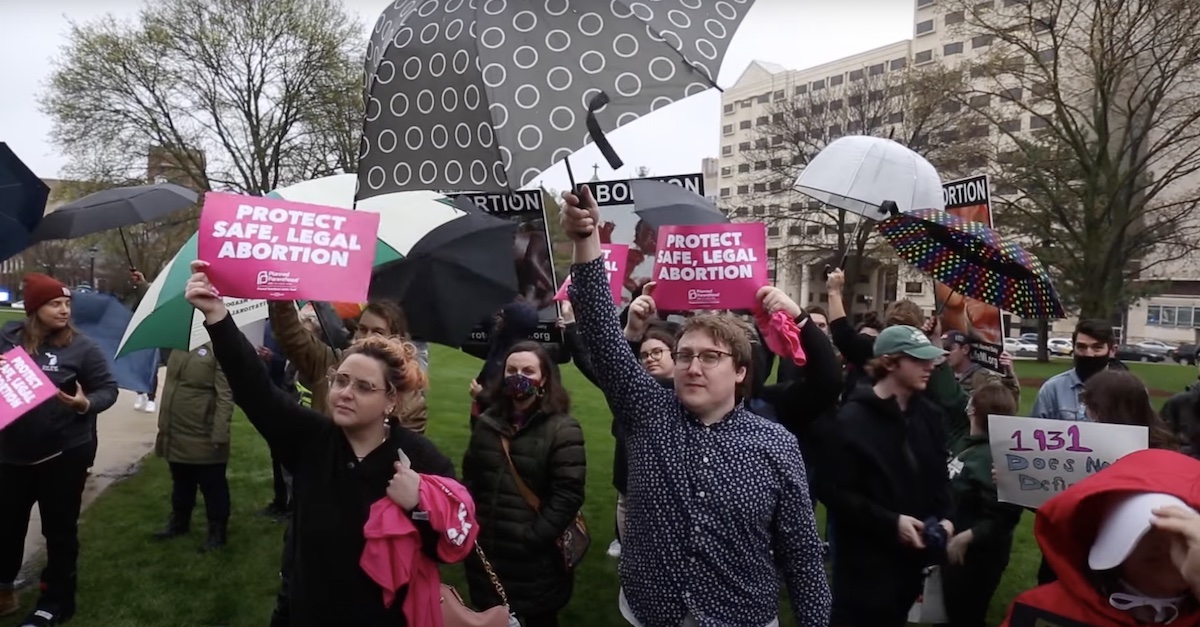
x=41, y=289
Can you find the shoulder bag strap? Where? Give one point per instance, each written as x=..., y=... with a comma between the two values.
x=531, y=499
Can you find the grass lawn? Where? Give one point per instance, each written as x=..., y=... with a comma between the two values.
x=128, y=580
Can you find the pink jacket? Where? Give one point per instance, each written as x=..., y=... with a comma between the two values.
x=393, y=558
x=781, y=334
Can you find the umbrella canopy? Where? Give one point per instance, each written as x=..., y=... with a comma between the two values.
x=470, y=96
x=22, y=203
x=974, y=261
x=104, y=319
x=859, y=173
x=114, y=208
x=404, y=217
x=164, y=318
x=457, y=275
x=664, y=204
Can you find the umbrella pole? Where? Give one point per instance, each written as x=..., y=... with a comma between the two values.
x=853, y=238
x=575, y=190
x=125, y=245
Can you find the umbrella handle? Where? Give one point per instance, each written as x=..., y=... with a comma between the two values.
x=582, y=233
x=125, y=245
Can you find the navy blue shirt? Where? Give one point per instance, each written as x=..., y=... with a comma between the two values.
x=716, y=512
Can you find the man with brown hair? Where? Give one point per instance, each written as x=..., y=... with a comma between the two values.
x=718, y=496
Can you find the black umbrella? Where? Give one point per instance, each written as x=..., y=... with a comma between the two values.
x=22, y=203
x=485, y=95
x=115, y=208
x=455, y=275
x=662, y=204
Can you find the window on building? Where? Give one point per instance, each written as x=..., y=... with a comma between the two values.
x=724, y=192
x=775, y=186
x=727, y=171
x=813, y=229
x=981, y=41
x=743, y=168
x=977, y=131
x=1047, y=55
x=898, y=64
x=835, y=105
x=760, y=165
x=948, y=137
x=743, y=189
x=742, y=212
x=876, y=70
x=896, y=117
x=856, y=75
x=777, y=140
x=1014, y=95
x=772, y=231
x=914, y=287
x=835, y=130
x=778, y=95
x=795, y=229
x=1037, y=122
x=726, y=151
x=952, y=49
x=818, y=85
x=728, y=109
x=925, y=27
x=796, y=206
x=745, y=104
x=980, y=101
x=924, y=56
x=834, y=81
x=760, y=144
x=875, y=95
x=763, y=99
x=745, y=125
x=760, y=188
x=743, y=147
x=759, y=210
x=953, y=18
x=801, y=90
x=1011, y=126
x=761, y=120
x=1043, y=24
x=951, y=106
x=727, y=129
x=978, y=71
x=776, y=118
x=856, y=100
x=924, y=3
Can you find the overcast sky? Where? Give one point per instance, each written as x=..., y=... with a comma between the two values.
x=793, y=33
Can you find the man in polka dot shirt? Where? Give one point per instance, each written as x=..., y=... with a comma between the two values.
x=718, y=499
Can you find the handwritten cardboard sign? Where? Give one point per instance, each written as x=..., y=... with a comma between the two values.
x=615, y=256
x=275, y=249
x=1036, y=458
x=23, y=386
x=712, y=266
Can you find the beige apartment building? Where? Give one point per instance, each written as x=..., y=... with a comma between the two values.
x=799, y=249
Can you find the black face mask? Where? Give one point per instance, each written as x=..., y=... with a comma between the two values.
x=1086, y=366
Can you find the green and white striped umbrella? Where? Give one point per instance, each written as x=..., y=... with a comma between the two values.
x=404, y=217
x=164, y=318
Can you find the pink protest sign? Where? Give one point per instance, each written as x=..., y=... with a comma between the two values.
x=275, y=249
x=713, y=266
x=23, y=386
x=615, y=256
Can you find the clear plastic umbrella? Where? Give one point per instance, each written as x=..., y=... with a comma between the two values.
x=860, y=174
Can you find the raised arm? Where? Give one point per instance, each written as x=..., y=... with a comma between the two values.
x=283, y=423
x=632, y=394
x=312, y=357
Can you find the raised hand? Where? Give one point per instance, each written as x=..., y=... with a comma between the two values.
x=580, y=215
x=774, y=299
x=835, y=281
x=202, y=295
x=641, y=310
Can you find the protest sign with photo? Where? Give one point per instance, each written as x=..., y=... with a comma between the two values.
x=713, y=266
x=614, y=266
x=276, y=249
x=536, y=283
x=620, y=225
x=970, y=199
x=23, y=386
x=1036, y=459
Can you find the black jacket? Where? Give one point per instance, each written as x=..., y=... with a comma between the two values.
x=333, y=491
x=52, y=427
x=1180, y=414
x=519, y=542
x=879, y=463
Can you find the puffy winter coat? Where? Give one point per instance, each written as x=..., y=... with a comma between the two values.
x=196, y=410
x=520, y=543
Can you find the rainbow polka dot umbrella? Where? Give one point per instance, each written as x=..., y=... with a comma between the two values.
x=974, y=261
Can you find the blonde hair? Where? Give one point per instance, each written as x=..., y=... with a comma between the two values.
x=401, y=370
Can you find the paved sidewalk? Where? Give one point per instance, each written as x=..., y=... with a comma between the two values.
x=126, y=436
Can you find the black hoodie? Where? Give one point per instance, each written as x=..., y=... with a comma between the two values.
x=880, y=463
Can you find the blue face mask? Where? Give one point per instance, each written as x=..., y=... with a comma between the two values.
x=520, y=387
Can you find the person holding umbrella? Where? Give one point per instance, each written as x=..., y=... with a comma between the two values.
x=343, y=461
x=45, y=454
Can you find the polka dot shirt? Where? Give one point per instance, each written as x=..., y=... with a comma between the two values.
x=716, y=513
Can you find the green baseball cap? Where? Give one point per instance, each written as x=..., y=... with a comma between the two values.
x=911, y=341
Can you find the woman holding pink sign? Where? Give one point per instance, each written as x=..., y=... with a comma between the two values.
x=45, y=454
x=342, y=463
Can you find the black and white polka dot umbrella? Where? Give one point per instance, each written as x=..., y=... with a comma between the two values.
x=484, y=95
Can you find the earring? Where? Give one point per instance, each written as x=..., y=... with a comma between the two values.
x=390, y=410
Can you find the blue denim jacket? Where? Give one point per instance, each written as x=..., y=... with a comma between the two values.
x=1059, y=398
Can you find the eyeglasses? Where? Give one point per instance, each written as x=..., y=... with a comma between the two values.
x=708, y=359
x=339, y=381
x=653, y=354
